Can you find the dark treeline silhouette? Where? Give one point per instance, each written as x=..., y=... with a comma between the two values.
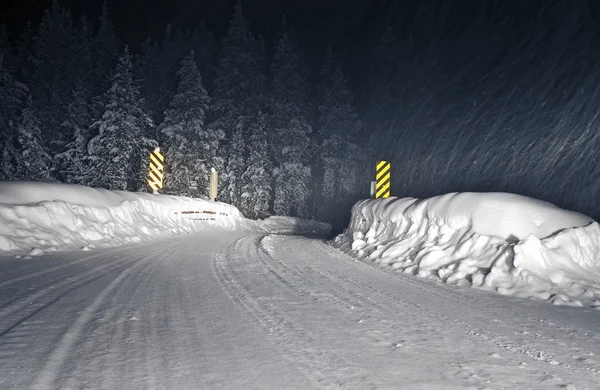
x=76, y=108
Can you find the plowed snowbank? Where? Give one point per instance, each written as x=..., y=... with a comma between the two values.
x=46, y=217
x=495, y=241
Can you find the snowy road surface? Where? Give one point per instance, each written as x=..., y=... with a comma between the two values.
x=240, y=310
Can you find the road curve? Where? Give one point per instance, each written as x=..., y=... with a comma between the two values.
x=240, y=310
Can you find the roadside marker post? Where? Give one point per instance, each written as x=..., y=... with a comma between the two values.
x=383, y=180
x=214, y=182
x=156, y=172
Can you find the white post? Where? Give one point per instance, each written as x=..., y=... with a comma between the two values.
x=214, y=181
x=373, y=189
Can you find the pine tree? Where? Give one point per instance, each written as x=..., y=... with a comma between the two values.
x=59, y=60
x=239, y=80
x=234, y=168
x=33, y=161
x=71, y=164
x=291, y=120
x=339, y=157
x=12, y=101
x=239, y=95
x=203, y=43
x=189, y=156
x=118, y=154
x=256, y=189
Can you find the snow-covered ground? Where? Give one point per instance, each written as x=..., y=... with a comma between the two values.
x=235, y=310
x=203, y=298
x=515, y=245
x=504, y=242
x=37, y=218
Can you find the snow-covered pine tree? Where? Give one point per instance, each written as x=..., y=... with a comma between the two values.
x=339, y=156
x=184, y=135
x=237, y=72
x=32, y=160
x=234, y=167
x=256, y=187
x=239, y=95
x=71, y=164
x=118, y=153
x=292, y=176
x=69, y=161
x=291, y=120
x=12, y=99
x=59, y=59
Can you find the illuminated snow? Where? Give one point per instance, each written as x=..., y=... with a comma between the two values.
x=495, y=241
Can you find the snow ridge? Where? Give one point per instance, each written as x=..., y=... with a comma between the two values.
x=44, y=217
x=36, y=218
x=512, y=244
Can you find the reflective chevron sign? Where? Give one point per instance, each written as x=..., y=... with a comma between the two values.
x=155, y=175
x=383, y=180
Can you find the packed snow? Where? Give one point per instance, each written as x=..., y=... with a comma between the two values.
x=228, y=304
x=36, y=218
x=512, y=244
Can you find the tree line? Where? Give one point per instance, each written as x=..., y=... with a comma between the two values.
x=76, y=108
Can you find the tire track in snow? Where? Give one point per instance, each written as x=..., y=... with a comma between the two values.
x=149, y=332
x=447, y=299
x=387, y=330
x=29, y=305
x=389, y=327
x=321, y=367
x=296, y=251
x=357, y=305
x=61, y=353
x=572, y=359
x=102, y=253
x=107, y=258
x=58, y=268
x=108, y=330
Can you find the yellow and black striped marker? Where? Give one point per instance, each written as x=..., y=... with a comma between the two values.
x=383, y=180
x=155, y=175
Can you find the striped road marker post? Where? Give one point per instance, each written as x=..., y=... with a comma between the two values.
x=383, y=179
x=155, y=175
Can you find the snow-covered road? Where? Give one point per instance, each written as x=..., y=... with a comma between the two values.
x=240, y=310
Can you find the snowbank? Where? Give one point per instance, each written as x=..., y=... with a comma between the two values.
x=46, y=217
x=495, y=241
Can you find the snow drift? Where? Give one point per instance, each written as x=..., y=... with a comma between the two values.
x=46, y=217
x=495, y=241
